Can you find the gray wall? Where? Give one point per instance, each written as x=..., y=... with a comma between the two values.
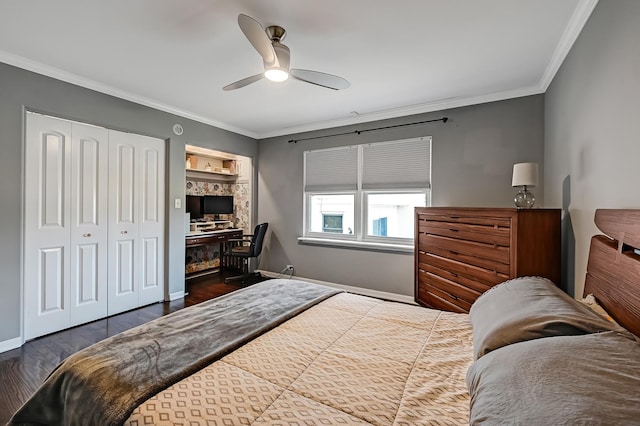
x=592, y=130
x=473, y=156
x=21, y=89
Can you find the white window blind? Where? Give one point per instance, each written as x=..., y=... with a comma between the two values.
x=402, y=164
x=333, y=169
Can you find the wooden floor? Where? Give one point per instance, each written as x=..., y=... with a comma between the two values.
x=22, y=370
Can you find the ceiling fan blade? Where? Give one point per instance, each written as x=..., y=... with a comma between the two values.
x=329, y=81
x=244, y=82
x=257, y=37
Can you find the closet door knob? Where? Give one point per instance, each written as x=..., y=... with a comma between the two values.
x=123, y=232
x=86, y=235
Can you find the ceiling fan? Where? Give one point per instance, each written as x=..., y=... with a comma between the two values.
x=276, y=55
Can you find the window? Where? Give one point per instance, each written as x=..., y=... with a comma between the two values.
x=366, y=193
x=391, y=214
x=380, y=227
x=332, y=213
x=332, y=223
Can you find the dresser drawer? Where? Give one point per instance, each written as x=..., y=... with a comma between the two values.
x=479, y=279
x=490, y=234
x=503, y=220
x=434, y=298
x=455, y=290
x=495, y=258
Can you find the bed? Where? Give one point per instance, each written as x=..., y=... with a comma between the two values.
x=292, y=352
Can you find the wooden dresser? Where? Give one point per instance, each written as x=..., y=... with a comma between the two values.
x=462, y=252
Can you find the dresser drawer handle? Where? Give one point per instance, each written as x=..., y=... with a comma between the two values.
x=453, y=252
x=453, y=274
x=453, y=230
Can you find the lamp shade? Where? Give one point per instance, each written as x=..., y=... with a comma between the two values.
x=525, y=174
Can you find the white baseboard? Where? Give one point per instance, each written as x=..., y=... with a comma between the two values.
x=356, y=290
x=7, y=345
x=176, y=295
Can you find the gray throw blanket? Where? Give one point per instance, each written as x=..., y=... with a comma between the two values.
x=102, y=384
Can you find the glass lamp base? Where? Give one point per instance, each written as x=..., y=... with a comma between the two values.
x=524, y=199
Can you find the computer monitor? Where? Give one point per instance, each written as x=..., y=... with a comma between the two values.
x=218, y=204
x=195, y=206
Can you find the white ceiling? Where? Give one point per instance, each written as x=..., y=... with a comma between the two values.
x=401, y=57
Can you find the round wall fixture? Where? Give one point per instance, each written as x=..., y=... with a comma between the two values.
x=177, y=129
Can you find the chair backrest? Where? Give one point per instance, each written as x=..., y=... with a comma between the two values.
x=257, y=240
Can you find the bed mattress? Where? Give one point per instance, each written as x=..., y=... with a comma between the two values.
x=348, y=360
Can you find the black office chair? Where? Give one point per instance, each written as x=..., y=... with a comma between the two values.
x=249, y=246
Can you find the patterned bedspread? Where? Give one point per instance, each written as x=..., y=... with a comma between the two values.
x=348, y=360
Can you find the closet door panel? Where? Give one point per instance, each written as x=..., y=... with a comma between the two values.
x=87, y=270
x=51, y=289
x=151, y=181
x=46, y=226
x=52, y=189
x=124, y=256
x=152, y=208
x=150, y=266
x=126, y=179
x=125, y=269
x=90, y=150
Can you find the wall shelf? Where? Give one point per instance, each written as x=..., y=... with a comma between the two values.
x=206, y=174
x=196, y=228
x=199, y=163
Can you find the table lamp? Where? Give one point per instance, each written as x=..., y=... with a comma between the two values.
x=524, y=175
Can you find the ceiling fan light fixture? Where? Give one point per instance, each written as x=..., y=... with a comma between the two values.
x=276, y=74
x=276, y=58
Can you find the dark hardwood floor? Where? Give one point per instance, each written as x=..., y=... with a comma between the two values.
x=22, y=370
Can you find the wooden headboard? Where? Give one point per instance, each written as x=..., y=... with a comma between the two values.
x=613, y=270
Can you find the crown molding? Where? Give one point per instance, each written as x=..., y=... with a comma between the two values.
x=58, y=74
x=439, y=105
x=572, y=31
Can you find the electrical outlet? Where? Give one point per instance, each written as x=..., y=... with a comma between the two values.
x=289, y=268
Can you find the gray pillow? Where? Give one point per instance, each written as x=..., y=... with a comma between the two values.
x=529, y=308
x=590, y=379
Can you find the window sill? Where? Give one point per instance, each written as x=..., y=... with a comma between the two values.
x=357, y=245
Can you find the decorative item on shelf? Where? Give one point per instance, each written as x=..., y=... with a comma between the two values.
x=188, y=164
x=207, y=168
x=524, y=175
x=230, y=165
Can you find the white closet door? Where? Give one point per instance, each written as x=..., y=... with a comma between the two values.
x=123, y=252
x=152, y=165
x=89, y=155
x=47, y=225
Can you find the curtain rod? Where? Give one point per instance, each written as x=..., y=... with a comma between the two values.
x=443, y=119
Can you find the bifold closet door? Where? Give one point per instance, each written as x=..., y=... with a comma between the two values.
x=94, y=223
x=65, y=257
x=90, y=148
x=151, y=231
x=136, y=221
x=47, y=220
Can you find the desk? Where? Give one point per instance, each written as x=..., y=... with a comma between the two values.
x=212, y=237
